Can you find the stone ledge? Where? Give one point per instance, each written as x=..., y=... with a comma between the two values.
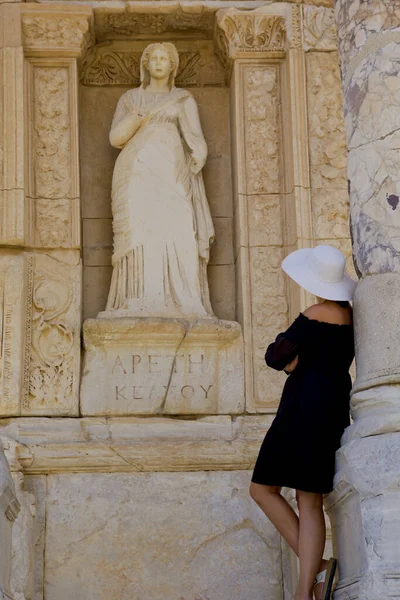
x=52, y=445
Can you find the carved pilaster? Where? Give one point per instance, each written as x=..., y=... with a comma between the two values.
x=53, y=181
x=55, y=39
x=252, y=46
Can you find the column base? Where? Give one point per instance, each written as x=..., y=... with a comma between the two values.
x=364, y=511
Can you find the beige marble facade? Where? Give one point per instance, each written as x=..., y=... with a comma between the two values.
x=164, y=482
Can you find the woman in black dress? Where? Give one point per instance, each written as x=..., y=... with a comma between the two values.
x=299, y=449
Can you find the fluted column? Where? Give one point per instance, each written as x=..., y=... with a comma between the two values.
x=365, y=504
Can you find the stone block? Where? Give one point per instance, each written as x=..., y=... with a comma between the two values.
x=162, y=366
x=135, y=444
x=161, y=536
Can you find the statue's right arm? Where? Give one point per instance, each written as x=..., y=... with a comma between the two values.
x=122, y=131
x=125, y=123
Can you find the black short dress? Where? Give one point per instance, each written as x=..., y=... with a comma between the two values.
x=299, y=448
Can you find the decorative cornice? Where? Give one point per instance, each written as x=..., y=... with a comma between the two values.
x=56, y=31
x=131, y=444
x=156, y=23
x=240, y=33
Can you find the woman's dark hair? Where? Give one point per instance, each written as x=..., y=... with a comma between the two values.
x=342, y=303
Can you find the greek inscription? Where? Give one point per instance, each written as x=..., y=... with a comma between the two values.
x=138, y=392
x=118, y=365
x=196, y=366
x=118, y=393
x=136, y=359
x=206, y=390
x=154, y=365
x=187, y=392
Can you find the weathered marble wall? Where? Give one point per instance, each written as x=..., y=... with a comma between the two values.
x=127, y=536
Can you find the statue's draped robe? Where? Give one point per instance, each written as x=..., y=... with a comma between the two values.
x=162, y=224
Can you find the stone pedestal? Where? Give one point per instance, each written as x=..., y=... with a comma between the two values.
x=148, y=366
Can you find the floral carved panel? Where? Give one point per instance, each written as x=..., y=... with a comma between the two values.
x=53, y=185
x=262, y=128
x=52, y=340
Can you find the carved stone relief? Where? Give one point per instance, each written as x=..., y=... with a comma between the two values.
x=326, y=123
x=113, y=65
x=296, y=33
x=53, y=184
x=52, y=355
x=319, y=28
x=262, y=122
x=241, y=32
x=179, y=23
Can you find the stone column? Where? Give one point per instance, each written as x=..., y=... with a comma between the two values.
x=365, y=504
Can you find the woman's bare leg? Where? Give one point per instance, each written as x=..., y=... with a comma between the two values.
x=278, y=511
x=311, y=541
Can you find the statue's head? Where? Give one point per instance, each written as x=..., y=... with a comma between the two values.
x=159, y=61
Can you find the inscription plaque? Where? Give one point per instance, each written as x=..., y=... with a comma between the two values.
x=156, y=366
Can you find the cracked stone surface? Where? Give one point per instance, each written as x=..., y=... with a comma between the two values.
x=164, y=536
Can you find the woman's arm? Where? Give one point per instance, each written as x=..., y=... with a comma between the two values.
x=281, y=354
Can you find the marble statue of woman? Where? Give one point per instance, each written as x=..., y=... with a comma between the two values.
x=161, y=220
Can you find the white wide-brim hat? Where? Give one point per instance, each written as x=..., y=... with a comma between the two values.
x=321, y=271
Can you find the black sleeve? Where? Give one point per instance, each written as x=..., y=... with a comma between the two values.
x=287, y=345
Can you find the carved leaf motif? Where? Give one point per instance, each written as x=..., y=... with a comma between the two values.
x=51, y=374
x=254, y=33
x=123, y=68
x=52, y=133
